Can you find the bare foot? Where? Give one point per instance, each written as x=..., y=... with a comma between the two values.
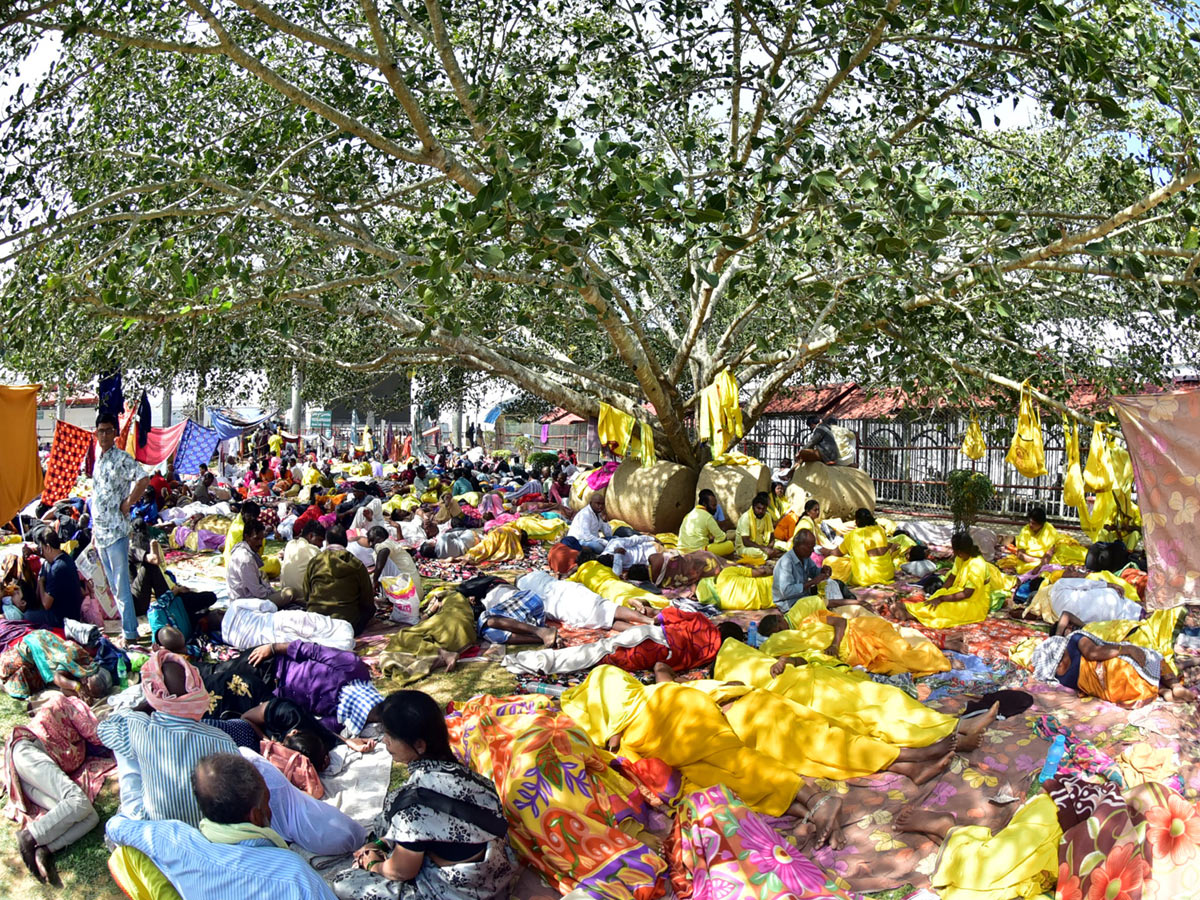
x=663, y=672
x=936, y=750
x=970, y=731
x=955, y=644
x=1182, y=694
x=827, y=828
x=549, y=636
x=926, y=822
x=446, y=660
x=922, y=771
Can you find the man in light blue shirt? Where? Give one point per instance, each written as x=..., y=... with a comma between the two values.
x=235, y=854
x=796, y=575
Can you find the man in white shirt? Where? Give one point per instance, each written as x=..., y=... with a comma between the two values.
x=588, y=527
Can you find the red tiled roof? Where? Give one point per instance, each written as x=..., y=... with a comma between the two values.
x=855, y=403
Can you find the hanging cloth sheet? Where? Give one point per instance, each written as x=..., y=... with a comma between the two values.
x=161, y=444
x=71, y=445
x=719, y=419
x=229, y=424
x=112, y=399
x=974, y=446
x=614, y=429
x=1027, y=453
x=22, y=480
x=1163, y=434
x=1073, y=495
x=1098, y=474
x=641, y=447
x=196, y=446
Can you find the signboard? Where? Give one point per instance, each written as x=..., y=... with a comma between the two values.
x=320, y=419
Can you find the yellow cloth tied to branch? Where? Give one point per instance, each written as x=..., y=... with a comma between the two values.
x=615, y=429
x=1073, y=476
x=719, y=417
x=1027, y=453
x=1098, y=476
x=734, y=459
x=973, y=445
x=642, y=447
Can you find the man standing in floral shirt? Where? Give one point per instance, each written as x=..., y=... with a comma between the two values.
x=118, y=483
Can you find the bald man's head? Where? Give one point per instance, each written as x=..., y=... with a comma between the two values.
x=229, y=790
x=171, y=638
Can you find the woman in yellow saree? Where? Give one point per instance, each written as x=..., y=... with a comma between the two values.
x=864, y=639
x=685, y=728
x=868, y=552
x=849, y=698
x=499, y=545
x=965, y=597
x=1039, y=544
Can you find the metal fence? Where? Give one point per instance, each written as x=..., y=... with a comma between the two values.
x=571, y=436
x=909, y=459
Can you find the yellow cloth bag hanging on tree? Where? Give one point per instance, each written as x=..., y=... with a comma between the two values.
x=1073, y=477
x=1098, y=476
x=1027, y=453
x=974, y=446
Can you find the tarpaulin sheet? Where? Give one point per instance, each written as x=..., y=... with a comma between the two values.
x=229, y=424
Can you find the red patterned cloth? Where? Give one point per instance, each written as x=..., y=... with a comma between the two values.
x=693, y=641
x=71, y=444
x=990, y=640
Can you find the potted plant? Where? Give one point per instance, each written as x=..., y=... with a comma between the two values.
x=967, y=491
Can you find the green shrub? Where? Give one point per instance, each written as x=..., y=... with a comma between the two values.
x=967, y=491
x=539, y=459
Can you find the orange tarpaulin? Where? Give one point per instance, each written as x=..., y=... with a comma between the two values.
x=22, y=473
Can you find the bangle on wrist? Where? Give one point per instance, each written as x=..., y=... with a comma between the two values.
x=373, y=862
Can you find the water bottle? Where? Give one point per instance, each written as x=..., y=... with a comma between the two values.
x=752, y=634
x=550, y=690
x=1054, y=757
x=122, y=673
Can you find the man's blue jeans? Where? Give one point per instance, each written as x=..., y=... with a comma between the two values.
x=114, y=559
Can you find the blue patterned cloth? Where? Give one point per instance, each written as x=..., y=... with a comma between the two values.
x=196, y=446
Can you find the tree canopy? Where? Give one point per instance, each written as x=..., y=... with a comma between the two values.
x=604, y=201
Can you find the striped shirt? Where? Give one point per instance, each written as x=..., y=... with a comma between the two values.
x=164, y=749
x=202, y=870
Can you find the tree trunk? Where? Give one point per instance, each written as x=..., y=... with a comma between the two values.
x=297, y=416
x=166, y=404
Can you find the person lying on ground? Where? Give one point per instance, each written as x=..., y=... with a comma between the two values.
x=41, y=659
x=159, y=750
x=850, y=698
x=578, y=605
x=674, y=569
x=233, y=853
x=289, y=723
x=1124, y=674
x=513, y=616
x=42, y=755
x=632, y=550
x=864, y=640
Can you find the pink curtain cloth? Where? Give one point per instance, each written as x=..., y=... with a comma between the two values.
x=161, y=444
x=1163, y=434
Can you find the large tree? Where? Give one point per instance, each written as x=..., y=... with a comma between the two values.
x=603, y=201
